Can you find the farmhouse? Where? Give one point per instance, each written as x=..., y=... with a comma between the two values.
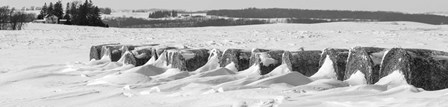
x=51, y=19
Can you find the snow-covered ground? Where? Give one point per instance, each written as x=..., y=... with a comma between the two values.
x=47, y=65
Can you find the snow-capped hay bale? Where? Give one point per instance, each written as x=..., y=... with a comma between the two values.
x=212, y=61
x=367, y=60
x=187, y=59
x=338, y=58
x=239, y=57
x=95, y=51
x=376, y=55
x=128, y=58
x=305, y=62
x=419, y=67
x=267, y=60
x=395, y=59
x=143, y=54
x=116, y=51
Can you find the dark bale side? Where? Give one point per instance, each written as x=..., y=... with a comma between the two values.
x=128, y=58
x=274, y=54
x=376, y=55
x=418, y=66
x=359, y=59
x=339, y=59
x=143, y=54
x=116, y=51
x=95, y=51
x=367, y=60
x=238, y=56
x=427, y=72
x=177, y=60
x=305, y=62
x=439, y=56
x=396, y=59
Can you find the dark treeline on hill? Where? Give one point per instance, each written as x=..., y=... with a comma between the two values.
x=76, y=13
x=10, y=19
x=162, y=14
x=143, y=23
x=330, y=14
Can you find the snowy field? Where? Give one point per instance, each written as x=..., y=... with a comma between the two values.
x=47, y=65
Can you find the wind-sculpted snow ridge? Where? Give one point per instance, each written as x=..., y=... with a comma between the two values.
x=173, y=76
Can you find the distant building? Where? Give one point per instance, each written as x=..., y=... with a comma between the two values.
x=51, y=19
x=191, y=14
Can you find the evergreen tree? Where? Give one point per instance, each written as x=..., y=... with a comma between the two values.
x=58, y=11
x=74, y=13
x=67, y=14
x=50, y=10
x=83, y=14
x=67, y=11
x=43, y=12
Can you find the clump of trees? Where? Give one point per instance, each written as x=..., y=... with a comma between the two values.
x=10, y=19
x=105, y=10
x=162, y=14
x=76, y=13
x=55, y=9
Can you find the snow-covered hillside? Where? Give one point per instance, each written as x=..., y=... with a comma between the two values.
x=47, y=65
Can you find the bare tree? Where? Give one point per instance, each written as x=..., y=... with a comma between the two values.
x=12, y=20
x=4, y=17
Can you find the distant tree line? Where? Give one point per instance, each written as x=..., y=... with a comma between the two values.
x=10, y=19
x=144, y=23
x=76, y=13
x=307, y=21
x=162, y=14
x=329, y=14
x=228, y=22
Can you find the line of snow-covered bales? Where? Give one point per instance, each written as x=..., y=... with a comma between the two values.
x=427, y=69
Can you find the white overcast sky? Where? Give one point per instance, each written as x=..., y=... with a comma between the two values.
x=413, y=6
